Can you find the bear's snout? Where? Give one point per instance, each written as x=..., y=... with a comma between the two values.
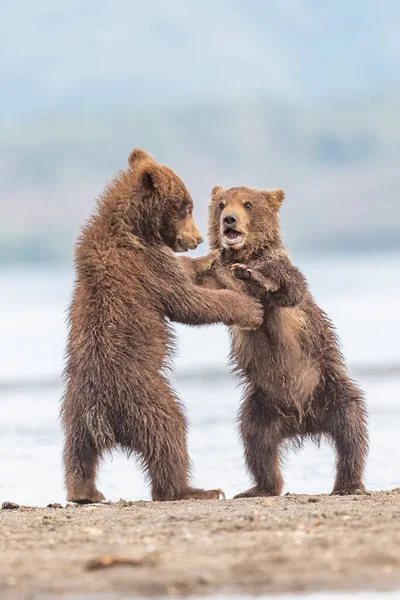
x=192, y=243
x=184, y=243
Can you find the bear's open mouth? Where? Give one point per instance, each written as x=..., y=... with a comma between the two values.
x=232, y=236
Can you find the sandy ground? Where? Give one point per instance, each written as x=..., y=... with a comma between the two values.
x=287, y=544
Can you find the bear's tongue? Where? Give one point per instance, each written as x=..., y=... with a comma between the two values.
x=232, y=234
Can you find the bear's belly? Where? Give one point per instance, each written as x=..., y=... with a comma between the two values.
x=274, y=358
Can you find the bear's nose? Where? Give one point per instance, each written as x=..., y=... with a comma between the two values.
x=230, y=219
x=200, y=239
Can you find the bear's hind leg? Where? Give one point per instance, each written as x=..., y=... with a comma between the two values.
x=262, y=437
x=345, y=422
x=157, y=432
x=81, y=458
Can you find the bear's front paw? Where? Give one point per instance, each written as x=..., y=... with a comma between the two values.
x=210, y=259
x=241, y=271
x=254, y=315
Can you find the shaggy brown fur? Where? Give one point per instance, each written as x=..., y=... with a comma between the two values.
x=128, y=284
x=296, y=384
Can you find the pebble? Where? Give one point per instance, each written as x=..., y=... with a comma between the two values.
x=9, y=506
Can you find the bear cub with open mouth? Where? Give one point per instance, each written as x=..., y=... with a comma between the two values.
x=296, y=383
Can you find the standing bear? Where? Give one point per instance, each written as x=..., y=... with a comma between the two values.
x=296, y=384
x=129, y=284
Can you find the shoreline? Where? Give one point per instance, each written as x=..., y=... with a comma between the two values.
x=286, y=544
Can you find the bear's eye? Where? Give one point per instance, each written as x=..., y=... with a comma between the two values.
x=221, y=206
x=248, y=205
x=188, y=211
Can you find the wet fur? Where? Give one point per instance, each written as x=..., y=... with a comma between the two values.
x=128, y=285
x=295, y=381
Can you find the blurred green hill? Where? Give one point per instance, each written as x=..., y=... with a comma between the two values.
x=338, y=165
x=301, y=95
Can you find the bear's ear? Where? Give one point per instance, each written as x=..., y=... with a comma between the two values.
x=136, y=156
x=216, y=191
x=153, y=178
x=275, y=197
x=279, y=195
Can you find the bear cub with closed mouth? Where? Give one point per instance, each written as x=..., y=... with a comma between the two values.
x=296, y=383
x=129, y=286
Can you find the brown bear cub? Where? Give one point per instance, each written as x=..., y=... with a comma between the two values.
x=296, y=384
x=128, y=285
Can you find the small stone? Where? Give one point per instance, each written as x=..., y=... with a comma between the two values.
x=9, y=506
x=54, y=505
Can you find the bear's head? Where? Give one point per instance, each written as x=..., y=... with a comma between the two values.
x=244, y=218
x=162, y=206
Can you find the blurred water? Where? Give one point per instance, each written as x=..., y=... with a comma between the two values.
x=361, y=295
